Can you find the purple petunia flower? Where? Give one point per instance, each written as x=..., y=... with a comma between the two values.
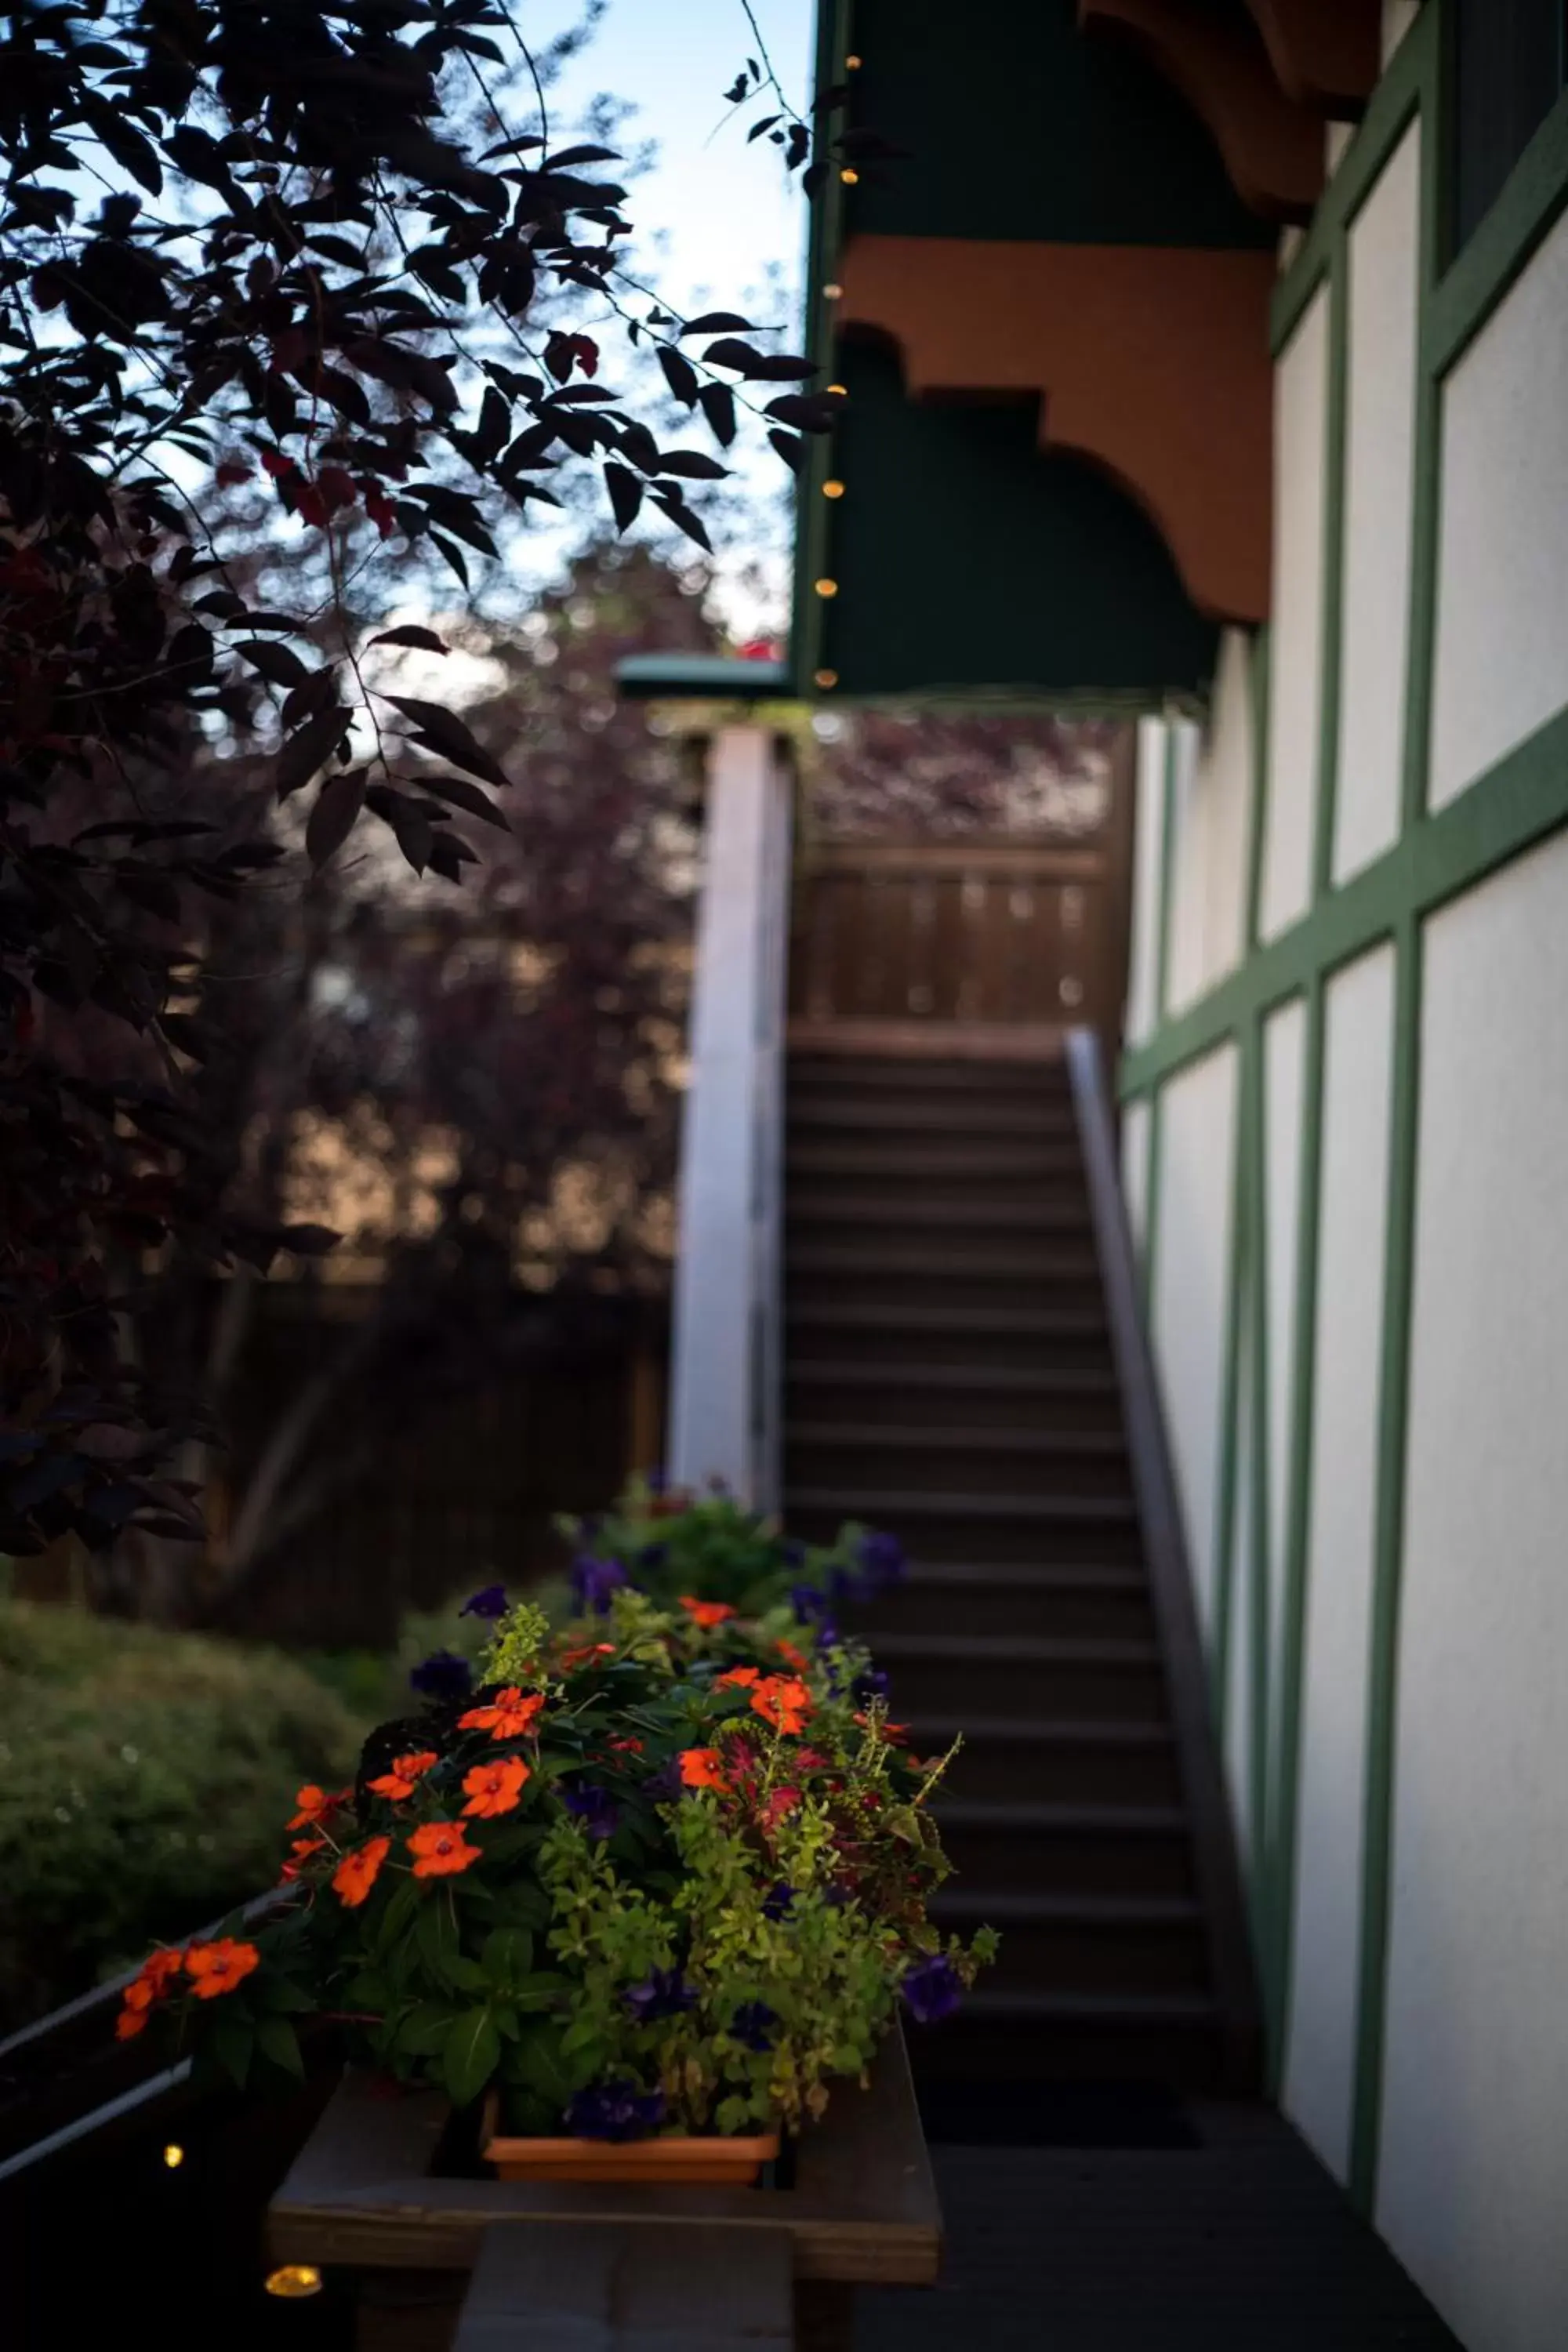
x=592, y=1807
x=614, y=2110
x=931, y=1988
x=665, y=1994
x=777, y=1900
x=872, y=1682
x=810, y=1603
x=665, y=1786
x=443, y=1675
x=593, y=1582
x=880, y=1557
x=752, y=2025
x=490, y=1601
x=657, y=1482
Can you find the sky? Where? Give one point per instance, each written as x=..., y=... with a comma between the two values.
x=715, y=215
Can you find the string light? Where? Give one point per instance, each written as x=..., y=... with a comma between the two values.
x=841, y=389
x=295, y=2279
x=849, y=176
x=826, y=677
x=827, y=587
x=173, y=2156
x=832, y=489
x=852, y=64
x=833, y=293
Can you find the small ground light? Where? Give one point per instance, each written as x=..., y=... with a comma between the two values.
x=833, y=290
x=827, y=587
x=849, y=176
x=295, y=2279
x=832, y=489
x=851, y=63
x=841, y=389
x=826, y=677
x=173, y=2156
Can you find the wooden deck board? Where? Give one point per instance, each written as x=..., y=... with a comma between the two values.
x=1241, y=2243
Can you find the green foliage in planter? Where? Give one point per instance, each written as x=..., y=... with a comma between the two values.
x=140, y=1778
x=668, y=1868
x=711, y=1547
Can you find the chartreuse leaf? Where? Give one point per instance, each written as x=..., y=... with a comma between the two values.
x=472, y=2056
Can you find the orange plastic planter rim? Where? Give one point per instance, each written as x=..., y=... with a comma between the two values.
x=694, y=2159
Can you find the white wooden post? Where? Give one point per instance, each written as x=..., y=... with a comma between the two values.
x=725, y=1376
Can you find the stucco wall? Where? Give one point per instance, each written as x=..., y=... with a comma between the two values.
x=1297, y=625
x=1473, y=2174
x=1192, y=1256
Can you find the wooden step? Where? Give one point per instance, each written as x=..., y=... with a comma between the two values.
x=917, y=1393
x=976, y=1163
x=1007, y=1261
x=1054, y=1338
x=1078, y=1602
x=964, y=1458
x=1009, y=2038
x=855, y=1115
x=1019, y=1216
x=1083, y=1944
x=1020, y=1757
x=888, y=1506
x=1062, y=1848
x=965, y=1437
x=980, y=1676
x=853, y=1072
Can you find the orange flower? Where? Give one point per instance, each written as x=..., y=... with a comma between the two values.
x=301, y=1848
x=441, y=1849
x=737, y=1679
x=705, y=1614
x=494, y=1788
x=406, y=1772
x=787, y=1650
x=509, y=1716
x=889, y=1731
x=145, y=1987
x=219, y=1966
x=315, y=1804
x=358, y=1871
x=572, y=1659
x=703, y=1768
x=627, y=1746
x=782, y=1702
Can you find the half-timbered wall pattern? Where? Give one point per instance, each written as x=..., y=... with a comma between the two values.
x=1345, y=1135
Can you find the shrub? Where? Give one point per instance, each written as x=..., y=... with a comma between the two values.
x=141, y=1774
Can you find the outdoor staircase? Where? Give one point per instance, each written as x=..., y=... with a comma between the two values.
x=950, y=1375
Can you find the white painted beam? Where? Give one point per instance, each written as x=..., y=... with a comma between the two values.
x=725, y=1372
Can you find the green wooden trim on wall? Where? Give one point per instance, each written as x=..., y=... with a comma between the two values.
x=1440, y=854
x=1511, y=807
x=1260, y=1494
x=1281, y=1862
x=1240, y=1257
x=1162, y=1000
x=1389, y=110
x=1388, y=1562
x=1332, y=643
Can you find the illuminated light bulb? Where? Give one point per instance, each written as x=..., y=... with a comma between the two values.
x=841, y=389
x=833, y=292
x=852, y=64
x=173, y=2156
x=827, y=587
x=849, y=176
x=826, y=677
x=295, y=2279
x=832, y=489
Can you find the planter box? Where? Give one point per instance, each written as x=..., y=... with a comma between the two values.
x=861, y=2208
